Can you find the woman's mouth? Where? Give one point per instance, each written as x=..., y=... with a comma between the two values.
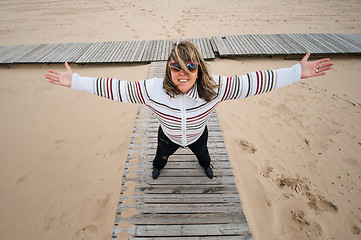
x=183, y=80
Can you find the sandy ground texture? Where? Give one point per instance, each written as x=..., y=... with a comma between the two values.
x=295, y=152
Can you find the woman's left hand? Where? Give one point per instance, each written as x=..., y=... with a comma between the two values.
x=315, y=68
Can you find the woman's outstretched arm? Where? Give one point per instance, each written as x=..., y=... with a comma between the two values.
x=113, y=89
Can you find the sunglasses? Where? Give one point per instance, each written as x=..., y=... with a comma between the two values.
x=192, y=67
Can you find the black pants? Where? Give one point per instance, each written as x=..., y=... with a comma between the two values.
x=166, y=147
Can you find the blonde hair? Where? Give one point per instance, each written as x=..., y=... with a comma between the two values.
x=183, y=53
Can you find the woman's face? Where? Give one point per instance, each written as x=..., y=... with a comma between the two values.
x=184, y=81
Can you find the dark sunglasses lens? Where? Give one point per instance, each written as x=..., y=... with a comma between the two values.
x=191, y=66
x=175, y=66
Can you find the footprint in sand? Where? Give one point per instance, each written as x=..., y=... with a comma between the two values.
x=317, y=203
x=312, y=229
x=89, y=232
x=355, y=230
x=246, y=146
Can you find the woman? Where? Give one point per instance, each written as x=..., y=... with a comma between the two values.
x=185, y=98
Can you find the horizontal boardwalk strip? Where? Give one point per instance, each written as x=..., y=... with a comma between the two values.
x=159, y=50
x=182, y=218
x=186, y=198
x=180, y=165
x=185, y=189
x=217, y=180
x=178, y=172
x=189, y=230
x=286, y=44
x=243, y=237
x=186, y=208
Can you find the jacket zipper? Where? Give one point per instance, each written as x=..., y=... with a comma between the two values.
x=184, y=119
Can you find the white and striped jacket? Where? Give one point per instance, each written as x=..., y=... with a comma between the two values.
x=184, y=117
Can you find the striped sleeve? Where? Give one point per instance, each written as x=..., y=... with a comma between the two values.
x=113, y=89
x=256, y=83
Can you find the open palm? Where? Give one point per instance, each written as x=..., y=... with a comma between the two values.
x=314, y=68
x=61, y=78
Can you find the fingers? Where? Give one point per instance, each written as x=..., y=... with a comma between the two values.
x=305, y=58
x=54, y=71
x=68, y=67
x=322, y=60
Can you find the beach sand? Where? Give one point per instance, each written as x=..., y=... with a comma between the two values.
x=295, y=152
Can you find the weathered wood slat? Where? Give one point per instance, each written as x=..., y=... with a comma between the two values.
x=178, y=172
x=182, y=218
x=190, y=230
x=179, y=165
x=12, y=52
x=186, y=198
x=242, y=237
x=217, y=180
x=187, y=189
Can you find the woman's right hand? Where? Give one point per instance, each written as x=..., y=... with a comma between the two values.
x=61, y=78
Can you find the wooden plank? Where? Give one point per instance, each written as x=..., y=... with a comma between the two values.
x=207, y=43
x=35, y=54
x=186, y=198
x=57, y=53
x=88, y=53
x=345, y=40
x=343, y=48
x=222, y=47
x=269, y=46
x=328, y=45
x=184, y=208
x=199, y=172
x=239, y=237
x=203, y=47
x=214, y=45
x=244, y=41
x=119, y=54
x=233, y=46
x=73, y=53
x=145, y=56
x=139, y=52
x=189, y=230
x=203, y=180
x=116, y=46
x=181, y=218
x=229, y=47
x=240, y=48
x=355, y=39
x=134, y=50
x=180, y=165
x=187, y=189
x=13, y=52
x=306, y=43
x=281, y=44
x=294, y=45
x=130, y=51
x=125, y=51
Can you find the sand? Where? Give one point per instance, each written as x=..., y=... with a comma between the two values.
x=295, y=152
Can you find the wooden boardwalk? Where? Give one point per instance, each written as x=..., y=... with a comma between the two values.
x=100, y=52
x=182, y=203
x=158, y=50
x=286, y=44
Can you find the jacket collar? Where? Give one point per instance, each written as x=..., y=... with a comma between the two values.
x=193, y=93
